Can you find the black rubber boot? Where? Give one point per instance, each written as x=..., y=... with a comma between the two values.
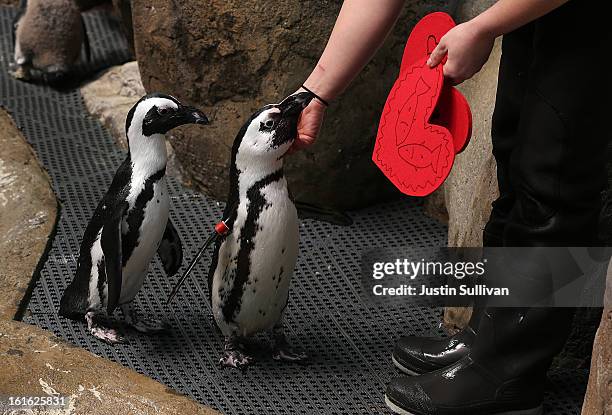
x=416, y=355
x=500, y=375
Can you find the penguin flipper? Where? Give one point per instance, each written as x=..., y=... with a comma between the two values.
x=170, y=250
x=86, y=40
x=113, y=259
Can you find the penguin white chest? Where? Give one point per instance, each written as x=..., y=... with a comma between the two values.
x=254, y=290
x=150, y=233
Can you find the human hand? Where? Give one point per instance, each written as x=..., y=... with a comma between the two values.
x=309, y=125
x=468, y=48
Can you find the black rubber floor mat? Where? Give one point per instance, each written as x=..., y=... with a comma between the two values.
x=349, y=338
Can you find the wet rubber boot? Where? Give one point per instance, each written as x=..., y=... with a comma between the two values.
x=500, y=375
x=416, y=355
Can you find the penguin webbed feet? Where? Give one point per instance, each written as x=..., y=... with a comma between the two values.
x=101, y=331
x=19, y=71
x=150, y=325
x=235, y=355
x=143, y=325
x=284, y=352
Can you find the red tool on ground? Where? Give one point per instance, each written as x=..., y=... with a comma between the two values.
x=425, y=121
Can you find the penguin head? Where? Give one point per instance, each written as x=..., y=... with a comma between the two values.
x=270, y=131
x=147, y=122
x=156, y=114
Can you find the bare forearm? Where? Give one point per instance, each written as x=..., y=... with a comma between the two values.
x=360, y=29
x=507, y=15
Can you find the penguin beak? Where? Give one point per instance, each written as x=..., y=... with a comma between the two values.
x=190, y=115
x=294, y=104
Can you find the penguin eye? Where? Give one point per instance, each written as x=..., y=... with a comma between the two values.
x=269, y=124
x=163, y=111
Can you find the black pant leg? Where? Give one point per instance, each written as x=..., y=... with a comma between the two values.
x=557, y=169
x=511, y=86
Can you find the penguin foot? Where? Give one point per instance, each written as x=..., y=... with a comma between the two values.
x=143, y=325
x=150, y=325
x=106, y=334
x=18, y=71
x=282, y=350
x=287, y=354
x=236, y=359
x=234, y=354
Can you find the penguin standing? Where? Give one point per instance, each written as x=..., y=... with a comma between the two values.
x=47, y=37
x=130, y=224
x=252, y=266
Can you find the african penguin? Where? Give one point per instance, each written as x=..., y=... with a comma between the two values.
x=130, y=224
x=252, y=266
x=47, y=37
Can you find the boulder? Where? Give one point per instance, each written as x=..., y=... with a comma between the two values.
x=36, y=363
x=111, y=95
x=598, y=399
x=28, y=212
x=472, y=184
x=229, y=57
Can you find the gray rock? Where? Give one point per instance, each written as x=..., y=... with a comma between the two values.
x=598, y=399
x=472, y=184
x=36, y=363
x=111, y=95
x=230, y=57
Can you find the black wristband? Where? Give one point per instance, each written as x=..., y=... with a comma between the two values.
x=317, y=97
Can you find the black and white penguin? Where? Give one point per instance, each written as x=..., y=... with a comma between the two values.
x=130, y=224
x=47, y=39
x=252, y=266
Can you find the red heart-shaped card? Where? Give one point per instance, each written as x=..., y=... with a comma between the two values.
x=425, y=122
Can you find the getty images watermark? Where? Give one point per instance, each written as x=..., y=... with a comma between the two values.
x=505, y=277
x=410, y=270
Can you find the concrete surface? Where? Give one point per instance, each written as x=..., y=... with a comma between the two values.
x=28, y=212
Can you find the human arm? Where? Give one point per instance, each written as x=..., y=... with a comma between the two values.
x=360, y=29
x=469, y=44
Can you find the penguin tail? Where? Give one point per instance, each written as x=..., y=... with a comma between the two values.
x=71, y=306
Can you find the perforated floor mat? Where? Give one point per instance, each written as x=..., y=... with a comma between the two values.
x=349, y=338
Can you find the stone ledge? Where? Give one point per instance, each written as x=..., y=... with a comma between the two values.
x=36, y=363
x=28, y=213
